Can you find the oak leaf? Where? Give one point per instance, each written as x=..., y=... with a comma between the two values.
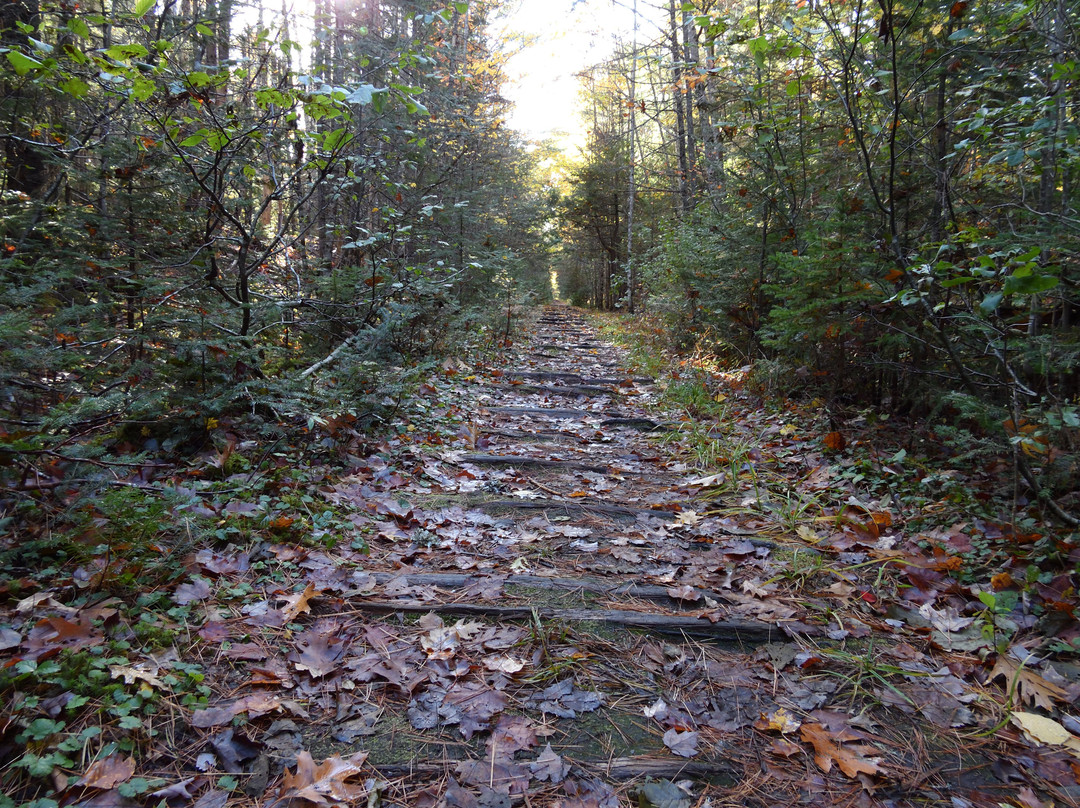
x=1030, y=687
x=828, y=749
x=327, y=783
x=297, y=604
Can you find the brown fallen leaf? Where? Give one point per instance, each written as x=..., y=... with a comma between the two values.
x=297, y=604
x=327, y=783
x=684, y=592
x=549, y=766
x=318, y=654
x=1030, y=687
x=784, y=748
x=828, y=749
x=108, y=772
x=196, y=590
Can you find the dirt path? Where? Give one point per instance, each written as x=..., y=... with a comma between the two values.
x=527, y=598
x=554, y=612
x=566, y=634
x=550, y=617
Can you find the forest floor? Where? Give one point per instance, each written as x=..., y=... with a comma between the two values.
x=545, y=590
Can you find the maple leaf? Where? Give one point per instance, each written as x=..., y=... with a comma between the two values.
x=324, y=784
x=1030, y=687
x=513, y=733
x=829, y=749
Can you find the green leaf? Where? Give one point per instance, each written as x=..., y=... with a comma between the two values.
x=79, y=27
x=336, y=139
x=143, y=6
x=22, y=63
x=1029, y=285
x=130, y=722
x=134, y=787
x=462, y=8
x=217, y=140
x=123, y=53
x=792, y=88
x=195, y=138
x=41, y=728
x=204, y=29
x=991, y=302
x=142, y=88
x=949, y=283
x=961, y=35
x=76, y=87
x=1015, y=157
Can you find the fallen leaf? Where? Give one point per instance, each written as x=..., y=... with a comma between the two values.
x=1029, y=686
x=196, y=590
x=828, y=749
x=28, y=604
x=683, y=744
x=504, y=664
x=549, y=767
x=706, y=482
x=781, y=721
x=512, y=734
x=663, y=794
x=297, y=604
x=130, y=675
x=687, y=518
x=834, y=441
x=108, y=772
x=656, y=710
x=327, y=783
x=318, y=654
x=684, y=592
x=1046, y=731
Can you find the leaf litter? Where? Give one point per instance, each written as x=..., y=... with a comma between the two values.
x=335, y=678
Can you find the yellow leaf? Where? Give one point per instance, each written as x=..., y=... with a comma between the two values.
x=1046, y=731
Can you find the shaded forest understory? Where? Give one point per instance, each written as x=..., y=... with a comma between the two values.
x=291, y=460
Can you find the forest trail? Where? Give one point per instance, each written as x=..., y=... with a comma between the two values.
x=575, y=641
x=524, y=594
x=555, y=611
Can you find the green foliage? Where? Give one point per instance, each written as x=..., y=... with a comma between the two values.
x=883, y=220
